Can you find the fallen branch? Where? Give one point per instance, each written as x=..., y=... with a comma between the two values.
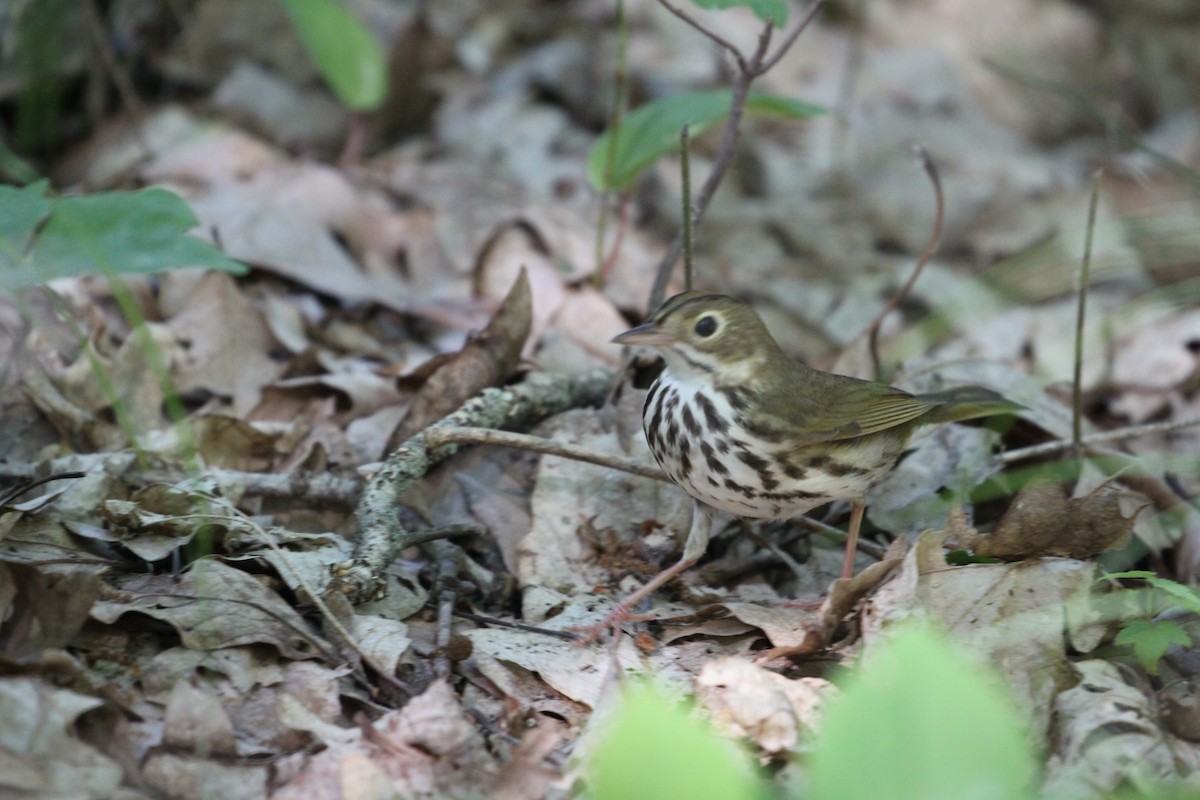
x=381, y=536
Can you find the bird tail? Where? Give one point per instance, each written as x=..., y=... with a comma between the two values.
x=967, y=402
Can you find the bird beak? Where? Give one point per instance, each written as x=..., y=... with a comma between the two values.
x=647, y=333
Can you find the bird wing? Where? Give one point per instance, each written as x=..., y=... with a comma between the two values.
x=823, y=407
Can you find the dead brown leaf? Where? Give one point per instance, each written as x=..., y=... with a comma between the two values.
x=488, y=358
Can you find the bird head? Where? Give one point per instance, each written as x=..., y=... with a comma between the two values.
x=705, y=336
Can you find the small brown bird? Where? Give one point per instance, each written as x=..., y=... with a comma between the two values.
x=743, y=428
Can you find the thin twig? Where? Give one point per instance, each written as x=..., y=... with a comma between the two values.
x=503, y=623
x=26, y=485
x=935, y=238
x=748, y=70
x=437, y=438
x=1050, y=448
x=1085, y=271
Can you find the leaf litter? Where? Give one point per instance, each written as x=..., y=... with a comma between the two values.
x=167, y=636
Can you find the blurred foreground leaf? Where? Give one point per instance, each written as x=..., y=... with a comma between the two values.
x=921, y=718
x=654, y=748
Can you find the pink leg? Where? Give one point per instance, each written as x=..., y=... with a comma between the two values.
x=856, y=516
x=693, y=549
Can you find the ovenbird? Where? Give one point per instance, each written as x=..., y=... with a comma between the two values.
x=741, y=427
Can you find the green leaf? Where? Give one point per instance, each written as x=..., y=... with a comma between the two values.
x=1133, y=573
x=348, y=56
x=42, y=238
x=1150, y=640
x=960, y=558
x=775, y=11
x=1182, y=595
x=654, y=748
x=653, y=130
x=922, y=718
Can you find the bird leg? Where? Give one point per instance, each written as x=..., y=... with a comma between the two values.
x=693, y=549
x=856, y=517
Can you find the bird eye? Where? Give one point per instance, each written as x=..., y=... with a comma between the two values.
x=706, y=326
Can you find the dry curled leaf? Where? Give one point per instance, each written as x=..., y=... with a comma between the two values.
x=1042, y=521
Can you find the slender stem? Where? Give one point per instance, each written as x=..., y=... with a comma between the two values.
x=1085, y=271
x=620, y=81
x=685, y=170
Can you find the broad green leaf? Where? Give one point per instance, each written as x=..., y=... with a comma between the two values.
x=653, y=130
x=1150, y=640
x=654, y=748
x=348, y=56
x=921, y=718
x=775, y=11
x=42, y=238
